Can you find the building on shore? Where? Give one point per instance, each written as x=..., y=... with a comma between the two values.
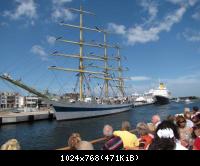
x=9, y=100
x=70, y=96
x=31, y=101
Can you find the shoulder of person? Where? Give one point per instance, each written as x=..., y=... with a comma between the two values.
x=179, y=146
x=115, y=133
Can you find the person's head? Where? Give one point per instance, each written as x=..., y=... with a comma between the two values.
x=186, y=110
x=73, y=140
x=196, y=130
x=187, y=115
x=11, y=144
x=107, y=131
x=195, y=109
x=195, y=119
x=126, y=126
x=165, y=136
x=181, y=121
x=171, y=118
x=155, y=119
x=142, y=129
x=84, y=145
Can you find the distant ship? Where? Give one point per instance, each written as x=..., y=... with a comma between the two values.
x=82, y=108
x=161, y=95
x=178, y=100
x=188, y=101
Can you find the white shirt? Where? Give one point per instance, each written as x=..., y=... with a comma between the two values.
x=179, y=146
x=189, y=123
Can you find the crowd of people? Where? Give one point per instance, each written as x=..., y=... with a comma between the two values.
x=176, y=132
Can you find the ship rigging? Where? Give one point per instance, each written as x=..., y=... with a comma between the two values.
x=80, y=109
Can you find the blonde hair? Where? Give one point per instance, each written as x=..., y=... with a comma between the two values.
x=73, y=140
x=11, y=144
x=143, y=128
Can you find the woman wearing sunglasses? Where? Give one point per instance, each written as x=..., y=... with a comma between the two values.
x=185, y=132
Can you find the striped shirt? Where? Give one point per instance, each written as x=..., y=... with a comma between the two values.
x=115, y=143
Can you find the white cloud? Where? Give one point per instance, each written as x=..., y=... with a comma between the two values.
x=151, y=7
x=191, y=35
x=196, y=15
x=60, y=12
x=25, y=8
x=118, y=29
x=38, y=50
x=51, y=40
x=180, y=2
x=141, y=34
x=140, y=78
x=151, y=29
x=60, y=2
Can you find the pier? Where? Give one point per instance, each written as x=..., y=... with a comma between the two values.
x=11, y=117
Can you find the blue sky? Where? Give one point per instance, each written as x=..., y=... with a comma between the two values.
x=161, y=40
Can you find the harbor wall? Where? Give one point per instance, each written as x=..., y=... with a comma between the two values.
x=25, y=117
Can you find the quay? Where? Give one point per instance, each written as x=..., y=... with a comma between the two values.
x=7, y=117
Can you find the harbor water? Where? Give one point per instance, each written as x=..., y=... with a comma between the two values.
x=50, y=135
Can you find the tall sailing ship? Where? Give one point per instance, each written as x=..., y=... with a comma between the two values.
x=96, y=106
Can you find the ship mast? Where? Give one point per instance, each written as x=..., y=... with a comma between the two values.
x=106, y=76
x=81, y=56
x=81, y=67
x=120, y=70
x=106, y=65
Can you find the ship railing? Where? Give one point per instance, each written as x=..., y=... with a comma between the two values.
x=95, y=141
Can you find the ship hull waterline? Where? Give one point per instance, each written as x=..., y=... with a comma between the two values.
x=81, y=111
x=161, y=100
